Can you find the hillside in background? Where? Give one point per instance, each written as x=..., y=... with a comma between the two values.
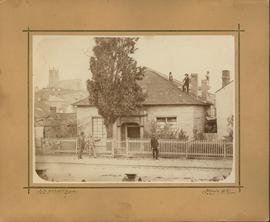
x=62, y=99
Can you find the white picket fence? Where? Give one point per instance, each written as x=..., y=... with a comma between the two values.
x=142, y=147
x=69, y=145
x=174, y=148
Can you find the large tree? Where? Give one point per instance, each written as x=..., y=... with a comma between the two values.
x=113, y=88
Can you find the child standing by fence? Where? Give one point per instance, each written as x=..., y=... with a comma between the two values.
x=90, y=142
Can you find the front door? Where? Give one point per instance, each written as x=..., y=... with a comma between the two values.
x=133, y=132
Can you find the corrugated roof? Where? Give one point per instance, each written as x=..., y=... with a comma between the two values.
x=160, y=91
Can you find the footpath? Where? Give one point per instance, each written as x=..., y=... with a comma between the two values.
x=142, y=162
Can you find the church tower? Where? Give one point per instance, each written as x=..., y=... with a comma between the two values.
x=53, y=77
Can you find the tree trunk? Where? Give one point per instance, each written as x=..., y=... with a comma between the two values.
x=115, y=138
x=112, y=134
x=109, y=136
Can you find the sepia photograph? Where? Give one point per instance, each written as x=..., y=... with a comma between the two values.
x=139, y=109
x=134, y=111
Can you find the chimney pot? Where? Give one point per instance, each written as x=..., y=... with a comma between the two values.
x=194, y=84
x=204, y=87
x=225, y=77
x=52, y=110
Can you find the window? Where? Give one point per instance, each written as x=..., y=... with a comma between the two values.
x=161, y=121
x=99, y=129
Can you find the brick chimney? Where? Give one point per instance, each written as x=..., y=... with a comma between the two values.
x=52, y=110
x=204, y=87
x=194, y=84
x=225, y=77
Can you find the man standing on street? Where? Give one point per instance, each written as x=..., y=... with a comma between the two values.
x=155, y=146
x=81, y=144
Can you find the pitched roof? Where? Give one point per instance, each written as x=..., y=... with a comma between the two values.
x=160, y=91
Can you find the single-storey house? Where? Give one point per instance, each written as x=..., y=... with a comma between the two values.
x=165, y=103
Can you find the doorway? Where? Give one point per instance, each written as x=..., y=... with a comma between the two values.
x=133, y=132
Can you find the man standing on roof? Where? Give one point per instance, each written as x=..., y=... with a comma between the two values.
x=186, y=83
x=170, y=76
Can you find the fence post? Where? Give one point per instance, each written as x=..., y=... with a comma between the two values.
x=186, y=148
x=127, y=147
x=76, y=145
x=41, y=143
x=224, y=145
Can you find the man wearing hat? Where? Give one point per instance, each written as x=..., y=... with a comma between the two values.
x=81, y=144
x=154, y=146
x=186, y=84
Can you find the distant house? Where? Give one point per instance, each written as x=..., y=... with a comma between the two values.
x=56, y=125
x=224, y=104
x=165, y=103
x=57, y=102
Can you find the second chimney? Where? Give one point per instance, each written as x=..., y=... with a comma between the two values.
x=204, y=87
x=52, y=110
x=194, y=84
x=225, y=77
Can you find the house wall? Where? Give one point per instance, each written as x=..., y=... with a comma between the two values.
x=58, y=104
x=84, y=118
x=224, y=108
x=188, y=117
x=199, y=113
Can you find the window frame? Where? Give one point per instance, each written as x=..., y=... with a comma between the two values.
x=161, y=123
x=101, y=133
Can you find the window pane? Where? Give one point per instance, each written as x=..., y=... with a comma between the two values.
x=161, y=119
x=99, y=129
x=171, y=119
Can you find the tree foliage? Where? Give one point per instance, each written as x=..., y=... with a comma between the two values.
x=230, y=124
x=166, y=131
x=113, y=88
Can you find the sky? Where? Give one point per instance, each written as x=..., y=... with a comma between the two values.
x=178, y=54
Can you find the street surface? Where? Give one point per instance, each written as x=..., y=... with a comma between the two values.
x=101, y=169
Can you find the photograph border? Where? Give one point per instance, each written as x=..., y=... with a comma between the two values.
x=237, y=142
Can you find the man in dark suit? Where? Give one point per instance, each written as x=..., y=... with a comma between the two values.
x=154, y=146
x=81, y=144
x=186, y=83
